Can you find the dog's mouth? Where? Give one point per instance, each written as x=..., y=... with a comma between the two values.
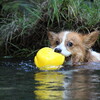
x=68, y=58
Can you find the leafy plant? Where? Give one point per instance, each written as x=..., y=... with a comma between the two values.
x=23, y=21
x=18, y=16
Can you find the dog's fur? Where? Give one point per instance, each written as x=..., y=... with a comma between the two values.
x=76, y=45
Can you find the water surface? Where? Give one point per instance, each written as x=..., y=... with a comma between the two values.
x=21, y=80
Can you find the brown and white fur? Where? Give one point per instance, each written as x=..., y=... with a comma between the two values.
x=75, y=45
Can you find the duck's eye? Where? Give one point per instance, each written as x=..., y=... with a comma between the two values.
x=57, y=42
x=69, y=44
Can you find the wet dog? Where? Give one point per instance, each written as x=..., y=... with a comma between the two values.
x=75, y=45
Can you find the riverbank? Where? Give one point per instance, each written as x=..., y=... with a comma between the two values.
x=24, y=24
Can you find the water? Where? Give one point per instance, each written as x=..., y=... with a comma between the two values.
x=21, y=80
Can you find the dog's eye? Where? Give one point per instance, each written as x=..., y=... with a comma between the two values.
x=69, y=44
x=57, y=42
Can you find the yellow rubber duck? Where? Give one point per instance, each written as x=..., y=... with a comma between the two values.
x=47, y=59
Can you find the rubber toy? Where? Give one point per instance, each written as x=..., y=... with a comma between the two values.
x=47, y=59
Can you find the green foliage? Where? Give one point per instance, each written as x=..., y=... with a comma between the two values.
x=53, y=9
x=20, y=18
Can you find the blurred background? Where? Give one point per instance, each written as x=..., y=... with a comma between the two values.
x=24, y=23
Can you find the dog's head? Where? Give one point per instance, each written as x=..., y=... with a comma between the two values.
x=71, y=43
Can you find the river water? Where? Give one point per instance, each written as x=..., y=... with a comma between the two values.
x=21, y=80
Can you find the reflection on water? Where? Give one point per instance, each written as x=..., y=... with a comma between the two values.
x=20, y=80
x=49, y=85
x=76, y=85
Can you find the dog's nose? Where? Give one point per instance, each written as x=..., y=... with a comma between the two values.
x=57, y=50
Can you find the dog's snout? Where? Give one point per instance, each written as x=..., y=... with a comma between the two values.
x=58, y=50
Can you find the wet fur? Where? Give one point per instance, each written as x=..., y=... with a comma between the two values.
x=81, y=50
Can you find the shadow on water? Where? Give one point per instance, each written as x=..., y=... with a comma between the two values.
x=21, y=80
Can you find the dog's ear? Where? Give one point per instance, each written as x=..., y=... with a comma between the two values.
x=90, y=39
x=51, y=35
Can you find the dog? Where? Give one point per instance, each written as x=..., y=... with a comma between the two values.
x=75, y=46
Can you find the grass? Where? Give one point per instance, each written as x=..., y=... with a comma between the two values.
x=20, y=15
x=24, y=23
